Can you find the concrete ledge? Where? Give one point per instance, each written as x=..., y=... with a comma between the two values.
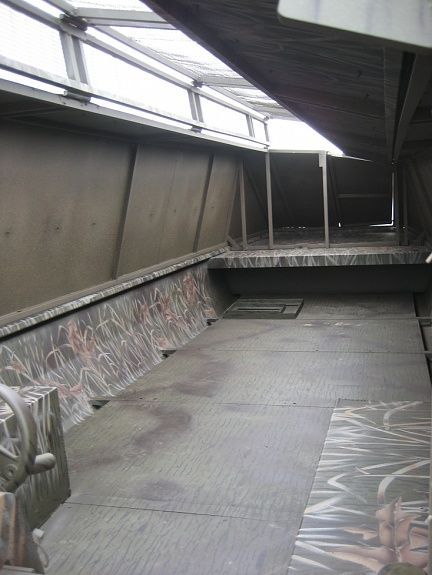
x=319, y=257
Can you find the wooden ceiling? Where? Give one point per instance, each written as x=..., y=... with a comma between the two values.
x=351, y=89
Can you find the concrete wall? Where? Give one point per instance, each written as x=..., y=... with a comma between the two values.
x=80, y=210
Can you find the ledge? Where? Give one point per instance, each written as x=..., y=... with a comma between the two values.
x=14, y=323
x=318, y=257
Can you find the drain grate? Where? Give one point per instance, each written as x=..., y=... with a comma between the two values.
x=264, y=308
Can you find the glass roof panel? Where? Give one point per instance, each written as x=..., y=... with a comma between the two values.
x=17, y=42
x=128, y=82
x=180, y=49
x=112, y=4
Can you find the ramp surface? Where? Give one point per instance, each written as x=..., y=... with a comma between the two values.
x=206, y=465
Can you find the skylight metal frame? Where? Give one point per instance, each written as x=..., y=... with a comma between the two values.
x=72, y=27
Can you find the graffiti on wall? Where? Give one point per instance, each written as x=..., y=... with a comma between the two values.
x=97, y=351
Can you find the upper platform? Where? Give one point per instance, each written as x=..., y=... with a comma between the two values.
x=315, y=257
x=304, y=247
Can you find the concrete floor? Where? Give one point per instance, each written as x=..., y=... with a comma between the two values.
x=206, y=465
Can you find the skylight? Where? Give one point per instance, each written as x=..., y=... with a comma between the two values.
x=132, y=56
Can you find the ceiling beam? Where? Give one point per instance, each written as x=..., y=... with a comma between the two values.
x=393, y=60
x=418, y=81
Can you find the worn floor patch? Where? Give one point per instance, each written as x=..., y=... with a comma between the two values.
x=369, y=502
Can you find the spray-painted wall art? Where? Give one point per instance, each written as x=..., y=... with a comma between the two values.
x=319, y=257
x=369, y=503
x=41, y=493
x=99, y=350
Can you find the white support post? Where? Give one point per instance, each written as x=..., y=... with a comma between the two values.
x=243, y=205
x=269, y=201
x=323, y=166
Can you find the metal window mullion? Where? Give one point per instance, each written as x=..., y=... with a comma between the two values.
x=81, y=60
x=52, y=21
x=231, y=106
x=266, y=130
x=72, y=44
x=199, y=107
x=250, y=126
x=62, y=5
x=74, y=58
x=195, y=108
x=32, y=11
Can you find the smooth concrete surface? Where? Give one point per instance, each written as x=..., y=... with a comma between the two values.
x=80, y=210
x=205, y=465
x=62, y=196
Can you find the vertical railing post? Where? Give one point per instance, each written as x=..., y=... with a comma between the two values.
x=395, y=198
x=266, y=130
x=243, y=205
x=323, y=166
x=250, y=125
x=405, y=210
x=269, y=201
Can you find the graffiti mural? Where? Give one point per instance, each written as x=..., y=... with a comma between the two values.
x=369, y=502
x=42, y=493
x=99, y=350
x=311, y=256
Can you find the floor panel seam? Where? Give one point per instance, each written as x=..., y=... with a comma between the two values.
x=149, y=509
